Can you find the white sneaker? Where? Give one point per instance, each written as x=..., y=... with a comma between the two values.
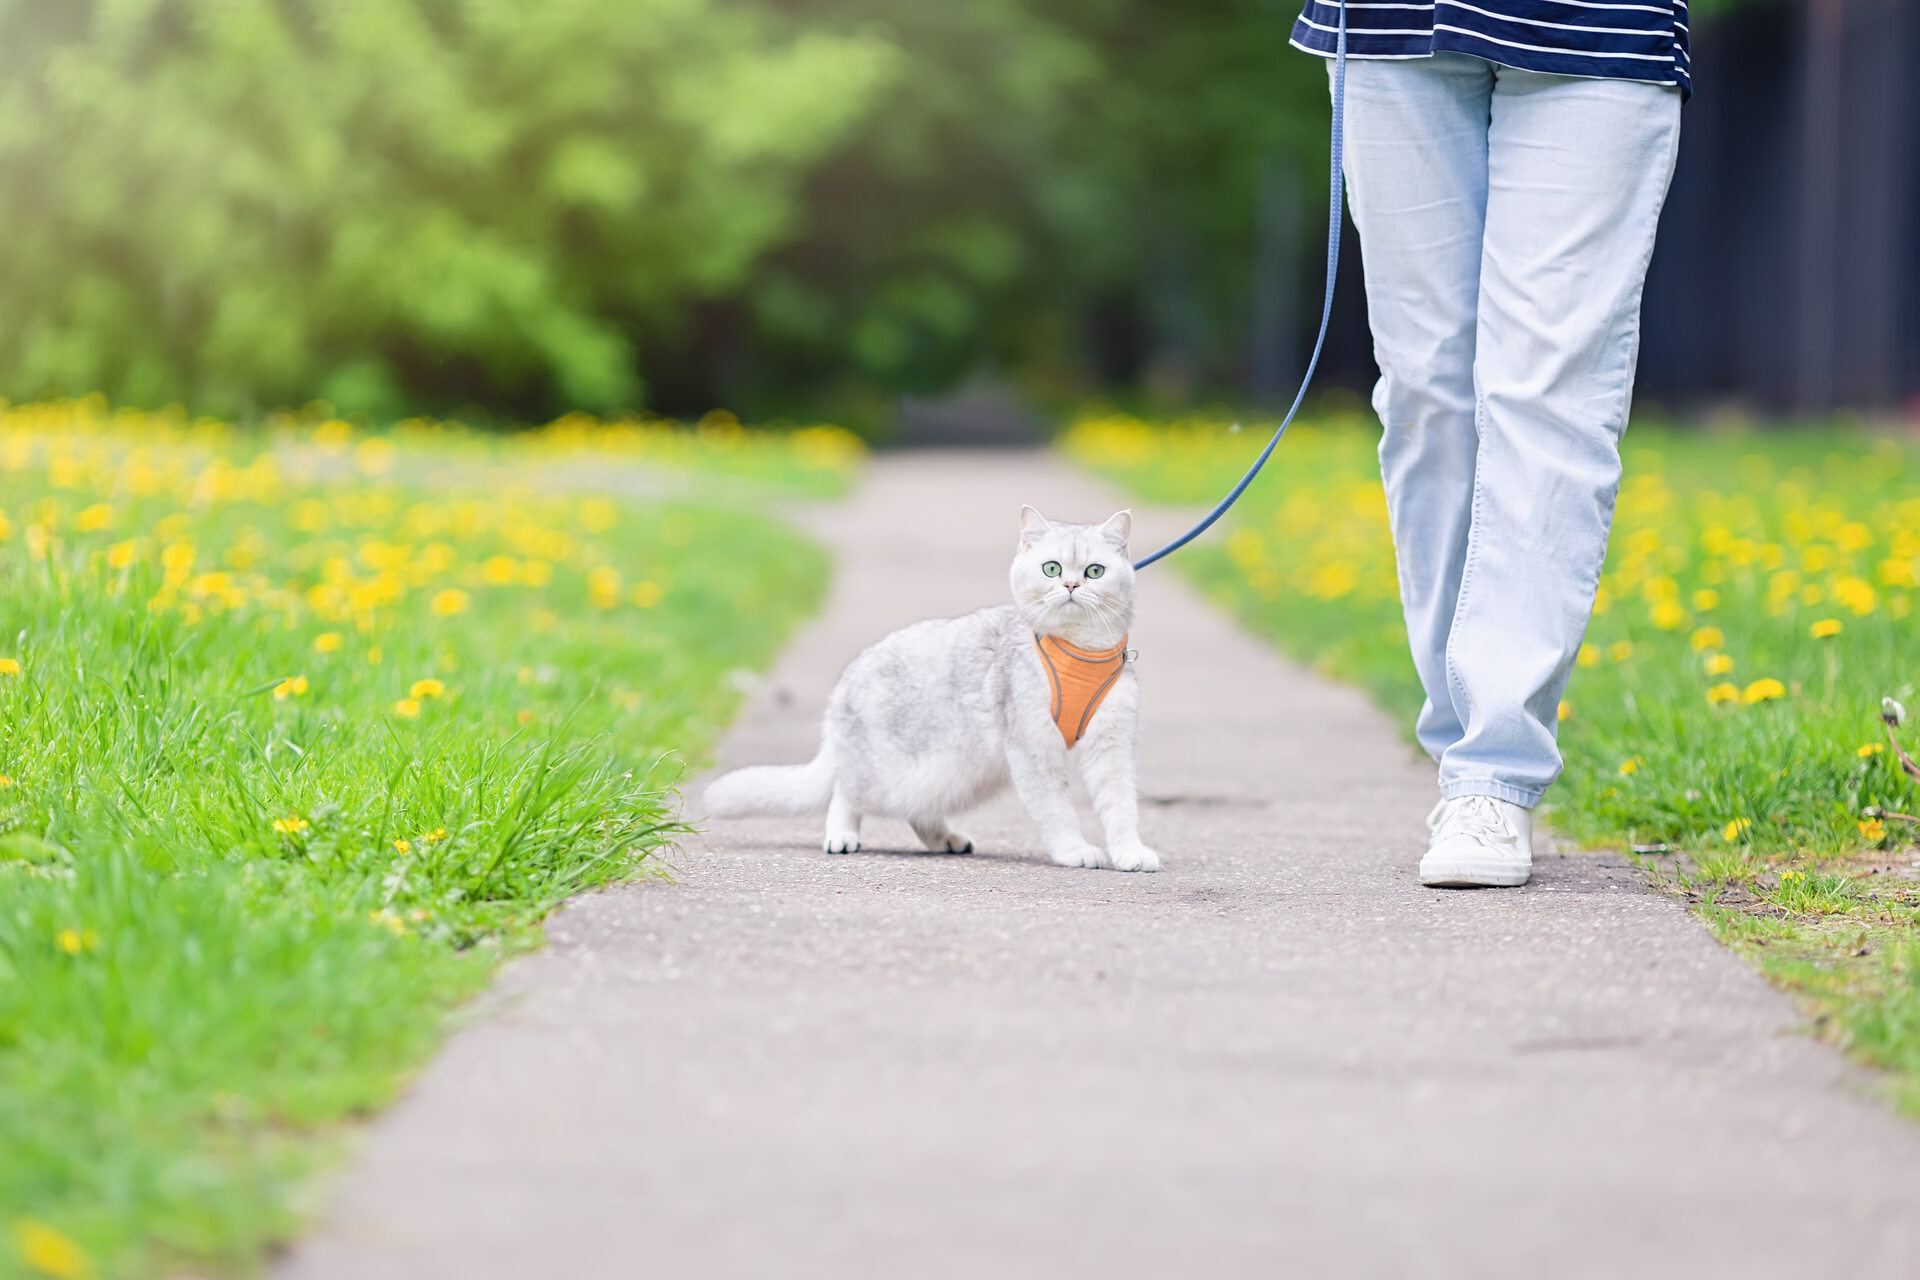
x=1478, y=841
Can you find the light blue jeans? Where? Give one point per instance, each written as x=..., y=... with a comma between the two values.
x=1506, y=219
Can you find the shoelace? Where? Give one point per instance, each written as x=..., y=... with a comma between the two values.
x=1476, y=816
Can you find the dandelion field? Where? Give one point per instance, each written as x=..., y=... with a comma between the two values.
x=293, y=748
x=1724, y=714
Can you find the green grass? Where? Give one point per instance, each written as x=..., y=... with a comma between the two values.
x=1757, y=605
x=813, y=461
x=286, y=765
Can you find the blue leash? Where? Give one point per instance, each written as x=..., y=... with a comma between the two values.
x=1338, y=187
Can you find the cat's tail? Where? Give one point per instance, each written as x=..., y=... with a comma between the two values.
x=768, y=789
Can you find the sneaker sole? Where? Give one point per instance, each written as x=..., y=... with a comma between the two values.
x=1471, y=877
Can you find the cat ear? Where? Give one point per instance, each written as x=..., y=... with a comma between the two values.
x=1032, y=525
x=1118, y=528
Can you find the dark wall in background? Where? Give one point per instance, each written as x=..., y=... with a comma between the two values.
x=1787, y=275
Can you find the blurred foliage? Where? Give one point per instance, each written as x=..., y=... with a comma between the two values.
x=391, y=203
x=781, y=206
x=1035, y=165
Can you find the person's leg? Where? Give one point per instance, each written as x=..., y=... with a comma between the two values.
x=1577, y=172
x=1416, y=164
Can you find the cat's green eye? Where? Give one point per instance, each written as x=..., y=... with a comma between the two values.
x=1051, y=568
x=1095, y=570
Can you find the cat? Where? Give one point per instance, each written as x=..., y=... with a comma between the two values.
x=940, y=716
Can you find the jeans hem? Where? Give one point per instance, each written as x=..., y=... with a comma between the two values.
x=1525, y=797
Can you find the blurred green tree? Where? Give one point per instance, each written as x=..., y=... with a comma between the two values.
x=1047, y=185
x=392, y=204
x=773, y=205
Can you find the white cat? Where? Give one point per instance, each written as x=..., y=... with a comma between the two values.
x=940, y=716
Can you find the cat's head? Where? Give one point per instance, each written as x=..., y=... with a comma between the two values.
x=1074, y=579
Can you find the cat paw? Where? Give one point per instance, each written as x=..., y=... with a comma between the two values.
x=1136, y=858
x=1084, y=855
x=842, y=844
x=943, y=839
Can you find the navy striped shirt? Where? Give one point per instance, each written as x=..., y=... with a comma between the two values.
x=1611, y=40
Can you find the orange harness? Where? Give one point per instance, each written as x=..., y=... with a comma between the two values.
x=1080, y=680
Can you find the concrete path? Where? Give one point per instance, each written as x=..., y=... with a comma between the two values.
x=1278, y=1057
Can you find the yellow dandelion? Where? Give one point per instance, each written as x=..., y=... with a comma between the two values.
x=1873, y=829
x=1871, y=750
x=1707, y=638
x=1718, y=664
x=290, y=688
x=500, y=571
x=1630, y=766
x=403, y=846
x=389, y=921
x=9, y=666
x=1736, y=829
x=290, y=826
x=449, y=602
x=1856, y=594
x=121, y=554
x=328, y=642
x=1825, y=629
x=1669, y=616
x=427, y=689
x=1620, y=650
x=436, y=835
x=406, y=708
x=1723, y=693
x=1588, y=656
x=1791, y=879
x=70, y=941
x=374, y=457
x=1566, y=710
x=1706, y=600
x=50, y=1253
x=1763, y=691
x=523, y=716
x=5, y=782
x=603, y=587
x=373, y=655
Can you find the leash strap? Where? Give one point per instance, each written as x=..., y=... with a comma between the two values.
x=1337, y=185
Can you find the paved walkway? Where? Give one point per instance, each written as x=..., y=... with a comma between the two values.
x=1278, y=1057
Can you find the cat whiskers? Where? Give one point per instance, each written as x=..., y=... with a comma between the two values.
x=1106, y=611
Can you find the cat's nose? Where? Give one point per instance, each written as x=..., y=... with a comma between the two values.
x=1073, y=586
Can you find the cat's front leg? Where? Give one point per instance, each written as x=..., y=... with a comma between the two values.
x=1040, y=780
x=1107, y=764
